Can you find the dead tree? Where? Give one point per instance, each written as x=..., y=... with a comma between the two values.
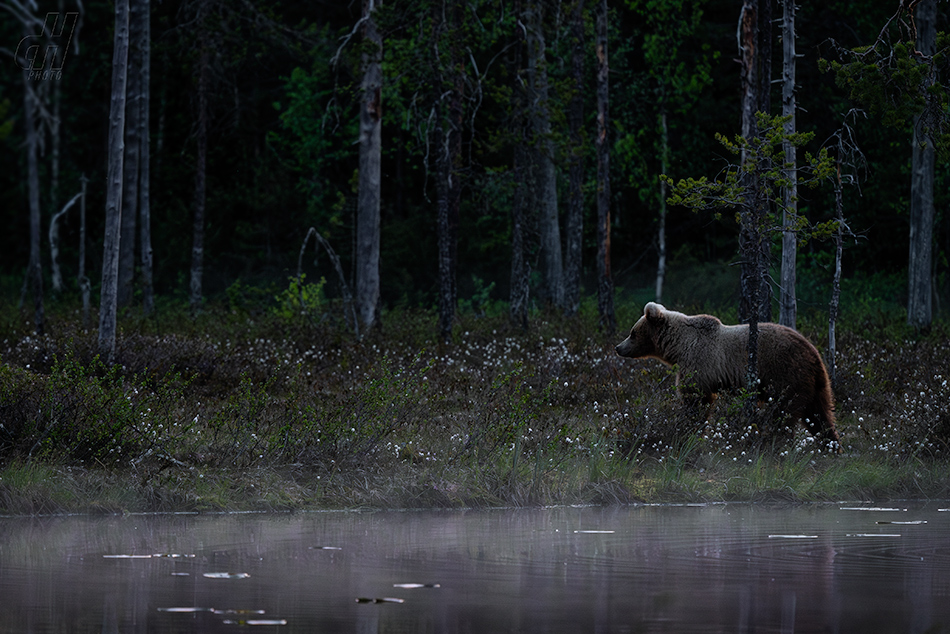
x=370, y=140
x=110, y=256
x=788, y=302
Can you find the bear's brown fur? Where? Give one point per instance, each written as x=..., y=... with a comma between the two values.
x=715, y=357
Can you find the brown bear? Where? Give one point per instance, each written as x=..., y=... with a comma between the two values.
x=715, y=357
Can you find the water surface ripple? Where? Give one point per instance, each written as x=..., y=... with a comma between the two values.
x=715, y=568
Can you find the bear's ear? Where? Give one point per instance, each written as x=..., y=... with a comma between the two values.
x=653, y=311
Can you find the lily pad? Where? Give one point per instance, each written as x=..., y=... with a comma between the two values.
x=596, y=532
x=793, y=536
x=379, y=600
x=225, y=575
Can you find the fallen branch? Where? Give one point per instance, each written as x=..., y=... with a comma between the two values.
x=350, y=316
x=54, y=243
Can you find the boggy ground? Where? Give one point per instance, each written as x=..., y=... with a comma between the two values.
x=236, y=412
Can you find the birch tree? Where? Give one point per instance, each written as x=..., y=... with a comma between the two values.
x=448, y=148
x=136, y=230
x=367, y=221
x=35, y=267
x=788, y=302
x=31, y=58
x=133, y=153
x=85, y=286
x=54, y=242
x=920, y=252
x=110, y=256
x=850, y=164
x=144, y=202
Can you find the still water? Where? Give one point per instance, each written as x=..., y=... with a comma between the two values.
x=717, y=568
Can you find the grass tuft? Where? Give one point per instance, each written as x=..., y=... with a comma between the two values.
x=270, y=411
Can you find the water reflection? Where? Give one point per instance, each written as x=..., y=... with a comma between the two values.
x=722, y=568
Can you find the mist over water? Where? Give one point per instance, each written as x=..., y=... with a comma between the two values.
x=843, y=567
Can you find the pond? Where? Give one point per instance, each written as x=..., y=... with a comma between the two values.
x=845, y=567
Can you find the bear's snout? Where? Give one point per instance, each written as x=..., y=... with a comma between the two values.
x=624, y=347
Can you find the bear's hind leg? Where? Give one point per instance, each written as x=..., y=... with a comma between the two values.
x=823, y=431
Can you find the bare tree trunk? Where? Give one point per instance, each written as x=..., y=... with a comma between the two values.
x=84, y=285
x=198, y=228
x=130, y=185
x=539, y=108
x=367, y=222
x=919, y=286
x=748, y=77
x=751, y=252
x=748, y=41
x=788, y=304
x=110, y=257
x=35, y=269
x=55, y=124
x=349, y=308
x=145, y=214
x=574, y=223
x=54, y=239
x=764, y=55
x=749, y=230
x=443, y=229
x=523, y=214
x=521, y=232
x=836, y=281
x=754, y=54
x=764, y=35
x=605, y=283
x=661, y=230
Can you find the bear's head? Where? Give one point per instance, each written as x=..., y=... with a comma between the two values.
x=643, y=336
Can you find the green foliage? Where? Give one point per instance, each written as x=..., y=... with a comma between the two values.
x=481, y=297
x=499, y=417
x=896, y=83
x=676, y=76
x=239, y=430
x=300, y=298
x=247, y=298
x=87, y=413
x=763, y=161
x=892, y=83
x=318, y=124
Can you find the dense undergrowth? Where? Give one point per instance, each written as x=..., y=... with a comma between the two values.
x=234, y=410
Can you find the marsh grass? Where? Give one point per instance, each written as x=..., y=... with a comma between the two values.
x=272, y=411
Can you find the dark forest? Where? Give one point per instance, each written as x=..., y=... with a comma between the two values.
x=380, y=253
x=271, y=95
